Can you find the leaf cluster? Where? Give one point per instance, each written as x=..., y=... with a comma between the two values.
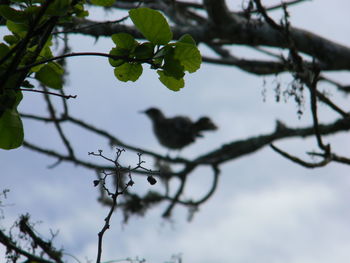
x=170, y=59
x=26, y=53
x=31, y=24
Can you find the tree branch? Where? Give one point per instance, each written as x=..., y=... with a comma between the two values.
x=10, y=244
x=238, y=30
x=299, y=161
x=233, y=150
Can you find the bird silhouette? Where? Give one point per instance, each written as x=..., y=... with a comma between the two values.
x=179, y=131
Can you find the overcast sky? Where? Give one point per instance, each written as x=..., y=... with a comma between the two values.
x=266, y=209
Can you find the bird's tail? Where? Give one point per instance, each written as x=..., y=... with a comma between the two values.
x=204, y=124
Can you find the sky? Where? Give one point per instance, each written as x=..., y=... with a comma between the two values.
x=266, y=209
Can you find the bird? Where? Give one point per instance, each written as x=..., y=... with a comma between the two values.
x=177, y=132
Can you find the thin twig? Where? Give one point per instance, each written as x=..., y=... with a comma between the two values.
x=57, y=124
x=334, y=157
x=278, y=6
x=313, y=102
x=94, y=25
x=207, y=195
x=300, y=161
x=261, y=9
x=331, y=104
x=75, y=54
x=182, y=176
x=50, y=93
x=114, y=196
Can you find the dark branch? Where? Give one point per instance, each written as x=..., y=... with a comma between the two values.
x=238, y=30
x=50, y=93
x=11, y=245
x=45, y=246
x=299, y=161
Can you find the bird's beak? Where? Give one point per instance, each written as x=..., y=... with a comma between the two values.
x=212, y=126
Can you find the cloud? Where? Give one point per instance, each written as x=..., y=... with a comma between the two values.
x=288, y=223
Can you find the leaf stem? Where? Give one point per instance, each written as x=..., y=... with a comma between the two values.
x=149, y=61
x=50, y=93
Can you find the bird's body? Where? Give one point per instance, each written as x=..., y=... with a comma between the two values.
x=179, y=131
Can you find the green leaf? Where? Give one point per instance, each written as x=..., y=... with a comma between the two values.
x=11, y=130
x=144, y=51
x=4, y=49
x=58, y=8
x=32, y=11
x=120, y=52
x=124, y=40
x=128, y=71
x=103, y=2
x=11, y=39
x=188, y=39
x=170, y=82
x=37, y=68
x=152, y=24
x=12, y=14
x=188, y=55
x=51, y=75
x=157, y=63
x=79, y=10
x=12, y=80
x=45, y=53
x=18, y=29
x=172, y=67
x=27, y=84
x=19, y=97
x=9, y=100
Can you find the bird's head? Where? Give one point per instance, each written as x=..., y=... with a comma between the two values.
x=154, y=113
x=205, y=124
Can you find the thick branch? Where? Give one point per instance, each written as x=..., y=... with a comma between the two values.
x=238, y=30
x=240, y=148
x=218, y=12
x=223, y=154
x=44, y=245
x=11, y=245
